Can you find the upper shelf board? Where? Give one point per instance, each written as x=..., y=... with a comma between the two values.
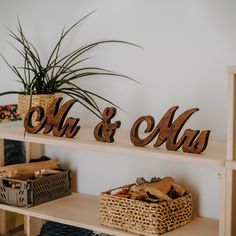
x=215, y=153
x=231, y=69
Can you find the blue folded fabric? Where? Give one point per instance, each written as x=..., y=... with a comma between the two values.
x=14, y=152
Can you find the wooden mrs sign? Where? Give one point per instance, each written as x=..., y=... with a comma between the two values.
x=53, y=120
x=192, y=141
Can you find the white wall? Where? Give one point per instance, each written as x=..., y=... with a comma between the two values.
x=187, y=46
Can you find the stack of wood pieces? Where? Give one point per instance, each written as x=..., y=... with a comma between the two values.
x=154, y=191
x=29, y=170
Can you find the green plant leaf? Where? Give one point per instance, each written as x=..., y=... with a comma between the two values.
x=63, y=34
x=61, y=73
x=74, y=96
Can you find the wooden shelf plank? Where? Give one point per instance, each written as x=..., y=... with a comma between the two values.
x=230, y=165
x=198, y=226
x=83, y=211
x=231, y=69
x=215, y=153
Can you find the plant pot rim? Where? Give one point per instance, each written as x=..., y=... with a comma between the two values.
x=42, y=94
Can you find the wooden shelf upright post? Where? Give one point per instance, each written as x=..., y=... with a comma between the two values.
x=230, y=175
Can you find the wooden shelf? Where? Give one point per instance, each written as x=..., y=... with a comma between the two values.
x=231, y=70
x=83, y=211
x=230, y=165
x=215, y=153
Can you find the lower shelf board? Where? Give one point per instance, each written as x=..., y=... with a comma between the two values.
x=83, y=211
x=198, y=226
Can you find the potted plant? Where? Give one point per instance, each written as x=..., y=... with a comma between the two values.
x=60, y=74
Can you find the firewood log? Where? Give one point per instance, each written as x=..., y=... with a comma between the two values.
x=27, y=174
x=51, y=164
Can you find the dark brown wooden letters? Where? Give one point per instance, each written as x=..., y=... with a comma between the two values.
x=192, y=141
x=53, y=120
x=105, y=130
x=167, y=130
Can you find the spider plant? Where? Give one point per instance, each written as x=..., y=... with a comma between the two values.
x=60, y=74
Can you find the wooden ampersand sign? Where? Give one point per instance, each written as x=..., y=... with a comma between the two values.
x=105, y=130
x=53, y=120
x=192, y=141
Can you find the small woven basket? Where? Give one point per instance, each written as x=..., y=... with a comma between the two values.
x=43, y=100
x=145, y=218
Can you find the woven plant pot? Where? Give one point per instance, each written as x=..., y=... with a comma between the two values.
x=43, y=100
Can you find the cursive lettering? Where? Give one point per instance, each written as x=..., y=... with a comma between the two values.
x=168, y=131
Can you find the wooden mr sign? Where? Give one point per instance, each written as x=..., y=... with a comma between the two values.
x=167, y=131
x=53, y=120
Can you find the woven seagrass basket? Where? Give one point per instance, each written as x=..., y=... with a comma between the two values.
x=144, y=218
x=43, y=100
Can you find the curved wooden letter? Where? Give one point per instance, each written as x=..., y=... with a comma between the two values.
x=168, y=132
x=40, y=118
x=105, y=130
x=53, y=120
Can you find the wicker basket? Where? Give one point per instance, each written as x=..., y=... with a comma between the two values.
x=43, y=100
x=144, y=218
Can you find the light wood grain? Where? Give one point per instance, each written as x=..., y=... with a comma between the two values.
x=32, y=225
x=83, y=211
x=214, y=155
x=198, y=227
x=50, y=164
x=222, y=216
x=1, y=152
x=231, y=69
x=2, y=222
x=231, y=155
x=230, y=165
